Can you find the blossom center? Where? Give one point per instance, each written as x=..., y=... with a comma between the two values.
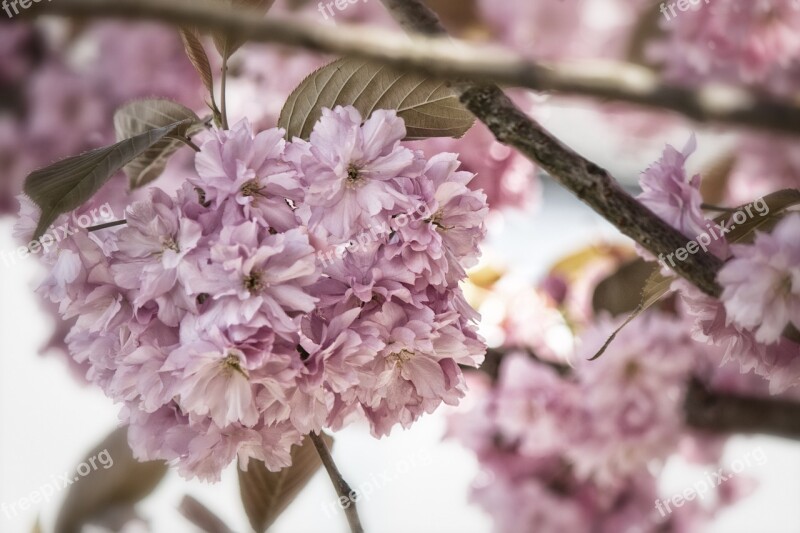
x=401, y=357
x=254, y=282
x=354, y=177
x=232, y=364
x=251, y=188
x=436, y=219
x=168, y=243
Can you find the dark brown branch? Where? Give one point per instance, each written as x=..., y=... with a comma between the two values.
x=726, y=413
x=341, y=486
x=706, y=410
x=587, y=181
x=593, y=185
x=622, y=82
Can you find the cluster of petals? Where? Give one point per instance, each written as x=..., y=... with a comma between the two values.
x=749, y=41
x=760, y=280
x=675, y=198
x=221, y=321
x=579, y=449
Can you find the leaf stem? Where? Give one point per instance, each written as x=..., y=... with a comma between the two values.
x=341, y=486
x=223, y=94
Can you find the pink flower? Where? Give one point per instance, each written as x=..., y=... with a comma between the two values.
x=152, y=249
x=245, y=174
x=213, y=378
x=761, y=284
x=257, y=278
x=212, y=317
x=738, y=41
x=676, y=200
x=779, y=362
x=353, y=169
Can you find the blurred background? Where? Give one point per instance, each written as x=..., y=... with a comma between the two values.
x=60, y=82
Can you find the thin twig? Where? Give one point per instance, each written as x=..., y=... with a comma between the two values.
x=107, y=225
x=616, y=81
x=341, y=486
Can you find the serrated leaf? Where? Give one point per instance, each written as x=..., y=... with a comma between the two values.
x=265, y=495
x=777, y=202
x=68, y=184
x=227, y=44
x=657, y=287
x=140, y=116
x=122, y=484
x=198, y=57
x=428, y=106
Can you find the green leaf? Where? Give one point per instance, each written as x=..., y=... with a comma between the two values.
x=140, y=116
x=777, y=202
x=227, y=44
x=428, y=106
x=199, y=59
x=265, y=495
x=68, y=184
x=123, y=483
x=656, y=287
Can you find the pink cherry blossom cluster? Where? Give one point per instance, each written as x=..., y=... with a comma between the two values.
x=582, y=448
x=750, y=41
x=760, y=280
x=210, y=318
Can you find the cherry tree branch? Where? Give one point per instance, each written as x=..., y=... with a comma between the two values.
x=339, y=483
x=592, y=184
x=447, y=58
x=704, y=409
x=439, y=56
x=728, y=413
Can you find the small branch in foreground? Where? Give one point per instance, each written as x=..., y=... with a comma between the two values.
x=341, y=486
x=107, y=225
x=727, y=413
